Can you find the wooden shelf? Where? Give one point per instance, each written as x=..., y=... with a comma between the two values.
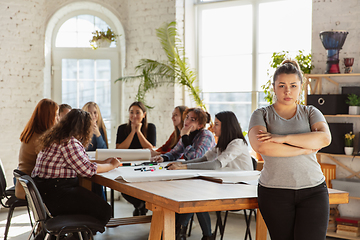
x=332, y=75
x=343, y=115
x=316, y=79
x=337, y=155
x=334, y=234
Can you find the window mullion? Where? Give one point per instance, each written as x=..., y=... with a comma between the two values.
x=254, y=98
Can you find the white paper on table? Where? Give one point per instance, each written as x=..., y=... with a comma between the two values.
x=128, y=174
x=124, y=154
x=231, y=176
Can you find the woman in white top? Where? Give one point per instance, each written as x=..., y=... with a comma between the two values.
x=292, y=192
x=231, y=149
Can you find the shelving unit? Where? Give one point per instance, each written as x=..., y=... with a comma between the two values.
x=313, y=85
x=333, y=158
x=318, y=78
x=343, y=115
x=334, y=234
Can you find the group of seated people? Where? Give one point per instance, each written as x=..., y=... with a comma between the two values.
x=55, y=140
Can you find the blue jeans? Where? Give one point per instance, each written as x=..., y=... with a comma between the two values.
x=295, y=214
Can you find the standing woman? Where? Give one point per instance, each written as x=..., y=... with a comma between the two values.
x=292, y=193
x=61, y=159
x=195, y=142
x=43, y=118
x=136, y=134
x=178, y=121
x=99, y=139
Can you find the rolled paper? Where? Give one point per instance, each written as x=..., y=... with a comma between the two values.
x=124, y=154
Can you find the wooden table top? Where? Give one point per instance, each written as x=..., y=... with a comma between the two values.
x=196, y=195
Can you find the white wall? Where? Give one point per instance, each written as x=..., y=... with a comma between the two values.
x=339, y=15
x=23, y=24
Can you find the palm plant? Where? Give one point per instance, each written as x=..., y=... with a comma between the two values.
x=175, y=70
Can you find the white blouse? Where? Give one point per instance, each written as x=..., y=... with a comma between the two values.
x=236, y=155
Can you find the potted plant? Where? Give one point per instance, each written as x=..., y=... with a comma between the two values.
x=102, y=39
x=277, y=58
x=349, y=143
x=354, y=104
x=175, y=70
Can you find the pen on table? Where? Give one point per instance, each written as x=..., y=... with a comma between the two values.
x=127, y=164
x=139, y=169
x=151, y=169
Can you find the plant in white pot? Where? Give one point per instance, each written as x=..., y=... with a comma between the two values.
x=349, y=143
x=354, y=104
x=102, y=39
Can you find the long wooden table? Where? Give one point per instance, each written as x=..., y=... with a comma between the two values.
x=165, y=198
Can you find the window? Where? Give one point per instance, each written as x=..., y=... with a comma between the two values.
x=77, y=31
x=82, y=74
x=235, y=42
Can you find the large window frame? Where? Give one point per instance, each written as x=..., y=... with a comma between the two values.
x=59, y=53
x=200, y=6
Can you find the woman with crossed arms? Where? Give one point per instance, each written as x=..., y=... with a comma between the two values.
x=292, y=193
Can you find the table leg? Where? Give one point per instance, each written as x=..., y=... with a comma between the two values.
x=261, y=229
x=163, y=221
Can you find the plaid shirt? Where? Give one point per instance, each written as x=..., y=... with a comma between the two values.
x=64, y=160
x=202, y=142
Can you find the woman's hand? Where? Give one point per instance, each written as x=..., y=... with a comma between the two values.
x=186, y=130
x=269, y=137
x=310, y=151
x=157, y=159
x=115, y=162
x=176, y=166
x=136, y=126
x=154, y=153
x=96, y=130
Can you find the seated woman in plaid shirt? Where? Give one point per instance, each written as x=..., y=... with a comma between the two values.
x=61, y=159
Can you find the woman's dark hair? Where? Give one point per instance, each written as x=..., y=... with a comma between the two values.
x=64, y=106
x=174, y=141
x=144, y=122
x=230, y=129
x=77, y=123
x=201, y=116
x=288, y=67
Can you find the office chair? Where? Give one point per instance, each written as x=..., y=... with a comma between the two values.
x=10, y=200
x=59, y=225
x=221, y=225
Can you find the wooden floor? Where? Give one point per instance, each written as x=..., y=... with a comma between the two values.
x=20, y=227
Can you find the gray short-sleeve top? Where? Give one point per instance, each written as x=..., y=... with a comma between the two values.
x=296, y=172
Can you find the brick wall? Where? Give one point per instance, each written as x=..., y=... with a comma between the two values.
x=22, y=35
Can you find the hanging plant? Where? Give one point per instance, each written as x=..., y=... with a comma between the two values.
x=102, y=38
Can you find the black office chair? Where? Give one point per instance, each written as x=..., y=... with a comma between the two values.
x=8, y=200
x=60, y=225
x=221, y=225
